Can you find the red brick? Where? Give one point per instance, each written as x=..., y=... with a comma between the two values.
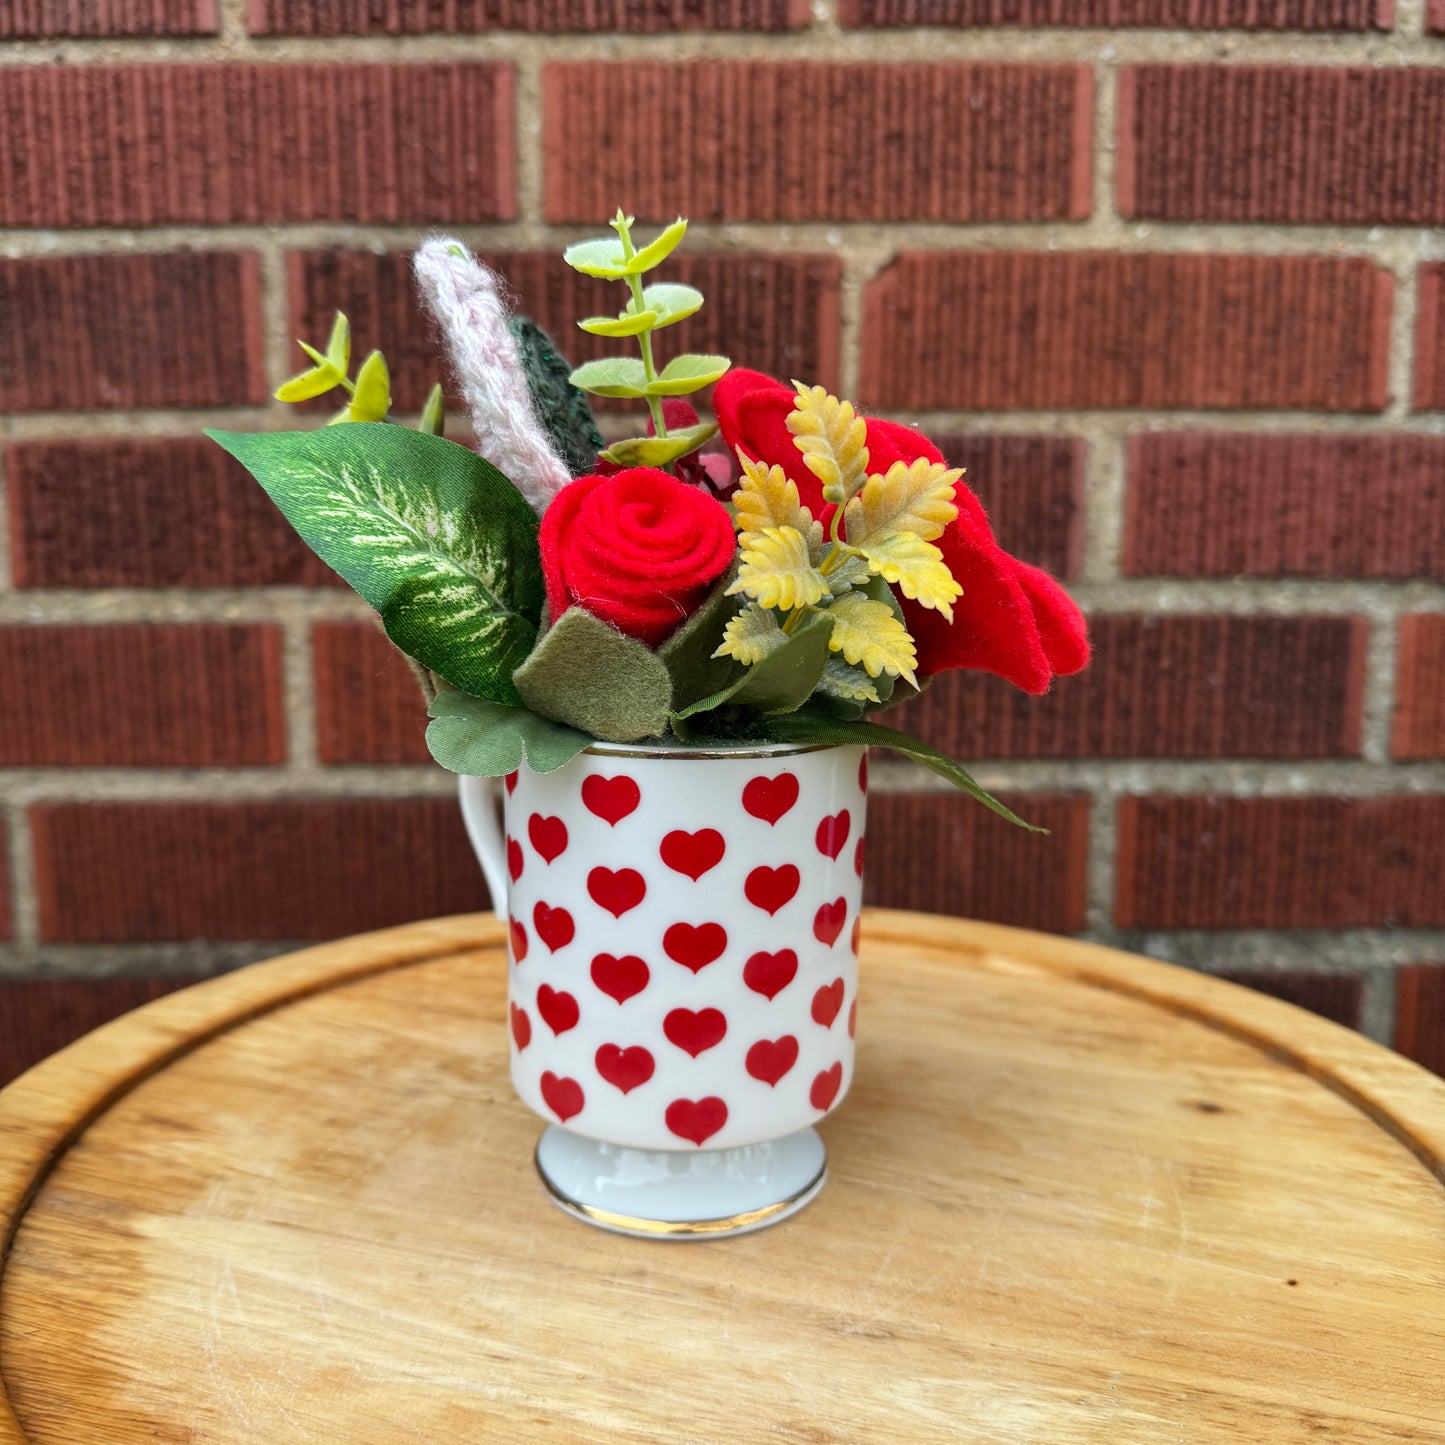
x=1420, y=688
x=275, y=869
x=1420, y=1012
x=1007, y=329
x=1430, y=335
x=783, y=309
x=1219, y=504
x=64, y=19
x=138, y=695
x=943, y=853
x=1168, y=687
x=171, y=329
x=1202, y=862
x=39, y=1016
x=1033, y=490
x=1333, y=145
x=145, y=145
x=369, y=708
x=538, y=17
x=1435, y=17
x=1121, y=14
x=1335, y=996
x=147, y=512
x=802, y=141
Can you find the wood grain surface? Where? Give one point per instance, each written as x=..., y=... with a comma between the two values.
x=1075, y=1196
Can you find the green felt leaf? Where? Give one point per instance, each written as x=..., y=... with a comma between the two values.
x=813, y=727
x=586, y=674
x=783, y=680
x=560, y=407
x=688, y=653
x=433, y=537
x=434, y=413
x=687, y=373
x=612, y=376
x=627, y=324
x=671, y=302
x=487, y=740
x=659, y=451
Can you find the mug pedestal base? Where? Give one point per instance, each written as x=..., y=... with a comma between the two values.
x=669, y=1194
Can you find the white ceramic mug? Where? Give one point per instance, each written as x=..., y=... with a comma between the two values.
x=683, y=977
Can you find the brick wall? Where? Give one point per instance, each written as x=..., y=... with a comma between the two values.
x=1175, y=296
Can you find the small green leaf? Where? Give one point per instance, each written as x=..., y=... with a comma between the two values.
x=811, y=727
x=587, y=674
x=612, y=376
x=671, y=302
x=434, y=413
x=602, y=257
x=627, y=324
x=688, y=373
x=338, y=344
x=783, y=680
x=487, y=740
x=315, y=355
x=659, y=451
x=372, y=398
x=659, y=250
x=315, y=382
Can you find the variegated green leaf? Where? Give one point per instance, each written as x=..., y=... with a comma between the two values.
x=433, y=537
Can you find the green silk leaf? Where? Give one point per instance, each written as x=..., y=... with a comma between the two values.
x=784, y=680
x=437, y=540
x=605, y=256
x=486, y=740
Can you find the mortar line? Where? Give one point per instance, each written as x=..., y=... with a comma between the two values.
x=1378, y=699
x=1101, y=857
x=1378, y=1003
x=1106, y=92
x=299, y=695
x=529, y=156
x=1103, y=520
x=1401, y=351
x=24, y=906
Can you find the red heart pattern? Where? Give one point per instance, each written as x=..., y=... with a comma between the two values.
x=825, y=1088
x=858, y=858
x=554, y=926
x=696, y=1119
x=770, y=798
x=515, y=859
x=833, y=833
x=863, y=773
x=548, y=835
x=695, y=946
x=770, y=888
x=519, y=940
x=828, y=921
x=853, y=1019
x=521, y=1027
x=826, y=1003
x=693, y=853
x=511, y=781
x=770, y=973
x=563, y=1096
x=695, y=1032
x=610, y=799
x=771, y=1059
x=856, y=937
x=559, y=1010
x=625, y=1069
x=618, y=892
x=620, y=978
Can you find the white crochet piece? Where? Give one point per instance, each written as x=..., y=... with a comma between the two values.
x=466, y=299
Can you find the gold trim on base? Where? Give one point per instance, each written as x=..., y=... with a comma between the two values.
x=681, y=1228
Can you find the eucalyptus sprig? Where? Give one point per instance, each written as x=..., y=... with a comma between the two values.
x=648, y=309
x=369, y=396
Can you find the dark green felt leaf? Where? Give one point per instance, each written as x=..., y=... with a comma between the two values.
x=436, y=539
x=813, y=727
x=587, y=674
x=688, y=653
x=783, y=680
x=560, y=407
x=486, y=740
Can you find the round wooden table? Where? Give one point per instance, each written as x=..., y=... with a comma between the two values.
x=1075, y=1196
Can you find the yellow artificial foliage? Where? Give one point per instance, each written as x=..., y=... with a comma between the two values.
x=912, y=497
x=751, y=635
x=869, y=635
x=849, y=683
x=916, y=567
x=832, y=439
x=776, y=570
x=768, y=498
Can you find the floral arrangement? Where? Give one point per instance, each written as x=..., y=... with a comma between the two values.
x=776, y=583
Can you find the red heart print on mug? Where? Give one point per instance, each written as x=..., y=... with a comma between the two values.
x=515, y=859
x=519, y=940
x=826, y=1003
x=610, y=799
x=833, y=833
x=554, y=926
x=620, y=978
x=618, y=892
x=828, y=921
x=563, y=1096
x=695, y=946
x=511, y=781
x=693, y=854
x=521, y=1027
x=770, y=973
x=825, y=1088
x=770, y=798
x=770, y=1059
x=548, y=835
x=770, y=888
x=623, y=1068
x=696, y=1119
x=695, y=1032
x=559, y=1010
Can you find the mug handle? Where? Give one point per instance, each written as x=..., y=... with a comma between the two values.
x=481, y=800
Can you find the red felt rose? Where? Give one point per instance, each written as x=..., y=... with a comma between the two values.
x=1012, y=619
x=637, y=549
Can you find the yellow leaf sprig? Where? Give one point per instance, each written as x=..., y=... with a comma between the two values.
x=882, y=534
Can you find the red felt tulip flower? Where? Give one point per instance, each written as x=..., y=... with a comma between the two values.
x=638, y=549
x=1013, y=619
